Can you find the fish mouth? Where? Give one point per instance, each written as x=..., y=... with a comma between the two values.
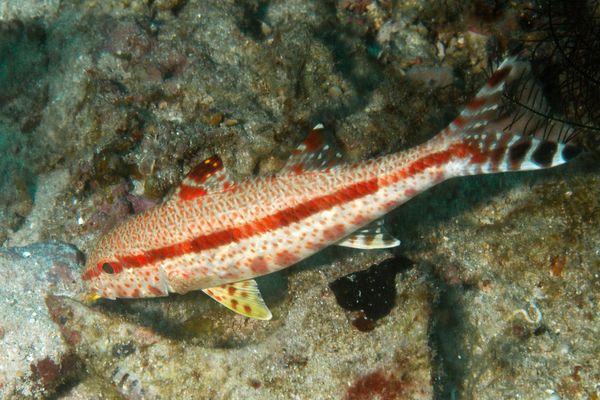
x=91, y=297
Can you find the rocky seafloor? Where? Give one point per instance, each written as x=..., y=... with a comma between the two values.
x=104, y=105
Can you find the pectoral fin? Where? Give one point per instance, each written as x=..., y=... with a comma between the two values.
x=372, y=236
x=242, y=297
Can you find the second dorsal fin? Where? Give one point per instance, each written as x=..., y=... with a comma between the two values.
x=314, y=153
x=205, y=178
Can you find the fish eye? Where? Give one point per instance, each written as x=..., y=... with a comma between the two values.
x=108, y=268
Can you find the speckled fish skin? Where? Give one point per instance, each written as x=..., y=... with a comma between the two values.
x=208, y=235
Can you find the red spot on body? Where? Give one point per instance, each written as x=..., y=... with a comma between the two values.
x=499, y=76
x=154, y=290
x=234, y=303
x=410, y=192
x=247, y=309
x=285, y=258
x=360, y=220
x=135, y=293
x=259, y=265
x=313, y=246
x=231, y=290
x=388, y=205
x=334, y=233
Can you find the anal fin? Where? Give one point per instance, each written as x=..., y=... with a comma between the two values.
x=241, y=297
x=372, y=236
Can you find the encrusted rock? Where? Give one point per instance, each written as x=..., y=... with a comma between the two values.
x=310, y=350
x=34, y=359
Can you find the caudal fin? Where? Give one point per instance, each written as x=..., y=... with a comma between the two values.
x=487, y=132
x=505, y=151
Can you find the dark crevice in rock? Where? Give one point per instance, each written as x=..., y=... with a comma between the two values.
x=446, y=340
x=353, y=63
x=252, y=20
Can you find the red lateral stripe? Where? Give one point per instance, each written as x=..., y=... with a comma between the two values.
x=290, y=215
x=280, y=219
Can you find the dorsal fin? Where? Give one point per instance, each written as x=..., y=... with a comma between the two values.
x=205, y=178
x=314, y=153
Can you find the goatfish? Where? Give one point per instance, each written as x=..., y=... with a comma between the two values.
x=215, y=234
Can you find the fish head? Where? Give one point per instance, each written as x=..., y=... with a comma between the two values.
x=109, y=274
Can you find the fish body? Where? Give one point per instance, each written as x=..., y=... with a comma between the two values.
x=216, y=235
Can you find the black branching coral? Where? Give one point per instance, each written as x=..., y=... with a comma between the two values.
x=563, y=45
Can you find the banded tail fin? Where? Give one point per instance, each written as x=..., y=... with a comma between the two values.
x=502, y=152
x=491, y=140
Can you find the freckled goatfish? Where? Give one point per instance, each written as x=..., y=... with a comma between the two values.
x=216, y=235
